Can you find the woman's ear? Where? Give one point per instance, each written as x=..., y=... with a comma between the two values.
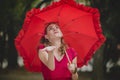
x=46, y=36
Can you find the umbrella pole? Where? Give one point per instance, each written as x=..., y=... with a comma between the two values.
x=68, y=57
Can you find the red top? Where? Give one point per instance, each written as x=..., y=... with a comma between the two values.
x=61, y=71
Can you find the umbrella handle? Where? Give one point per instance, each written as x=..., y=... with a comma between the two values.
x=68, y=57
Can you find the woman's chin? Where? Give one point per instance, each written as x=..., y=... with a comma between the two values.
x=57, y=36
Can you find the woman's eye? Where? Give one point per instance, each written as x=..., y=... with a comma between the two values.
x=57, y=27
x=50, y=28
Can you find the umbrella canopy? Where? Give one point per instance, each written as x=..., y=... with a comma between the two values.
x=80, y=26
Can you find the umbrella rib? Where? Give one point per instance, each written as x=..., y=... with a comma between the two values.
x=73, y=20
x=70, y=32
x=60, y=13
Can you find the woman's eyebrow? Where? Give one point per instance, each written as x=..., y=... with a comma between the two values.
x=51, y=26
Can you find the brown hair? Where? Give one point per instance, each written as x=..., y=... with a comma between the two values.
x=46, y=42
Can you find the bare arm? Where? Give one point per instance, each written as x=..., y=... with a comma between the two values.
x=47, y=57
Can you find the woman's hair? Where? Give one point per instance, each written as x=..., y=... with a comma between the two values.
x=46, y=42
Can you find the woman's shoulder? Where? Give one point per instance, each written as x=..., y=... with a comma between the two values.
x=71, y=51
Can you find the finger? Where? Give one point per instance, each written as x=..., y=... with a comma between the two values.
x=68, y=64
x=50, y=48
x=44, y=49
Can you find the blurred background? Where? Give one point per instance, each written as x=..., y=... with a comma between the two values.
x=105, y=64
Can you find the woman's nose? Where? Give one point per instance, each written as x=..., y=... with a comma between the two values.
x=54, y=28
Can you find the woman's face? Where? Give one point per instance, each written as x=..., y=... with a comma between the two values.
x=53, y=31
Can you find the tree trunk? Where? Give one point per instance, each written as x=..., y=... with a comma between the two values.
x=98, y=65
x=12, y=53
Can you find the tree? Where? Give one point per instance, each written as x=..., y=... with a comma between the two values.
x=12, y=14
x=110, y=20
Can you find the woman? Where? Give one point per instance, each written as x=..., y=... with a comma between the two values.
x=58, y=60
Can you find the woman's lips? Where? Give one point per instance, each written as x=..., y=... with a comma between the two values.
x=55, y=32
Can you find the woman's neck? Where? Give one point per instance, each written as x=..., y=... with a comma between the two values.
x=56, y=42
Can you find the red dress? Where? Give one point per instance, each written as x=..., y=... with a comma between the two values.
x=61, y=71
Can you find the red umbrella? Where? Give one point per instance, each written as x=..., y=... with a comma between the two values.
x=80, y=26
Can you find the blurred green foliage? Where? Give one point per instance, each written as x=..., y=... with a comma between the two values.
x=12, y=14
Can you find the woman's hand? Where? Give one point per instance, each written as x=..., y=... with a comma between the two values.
x=49, y=49
x=72, y=67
